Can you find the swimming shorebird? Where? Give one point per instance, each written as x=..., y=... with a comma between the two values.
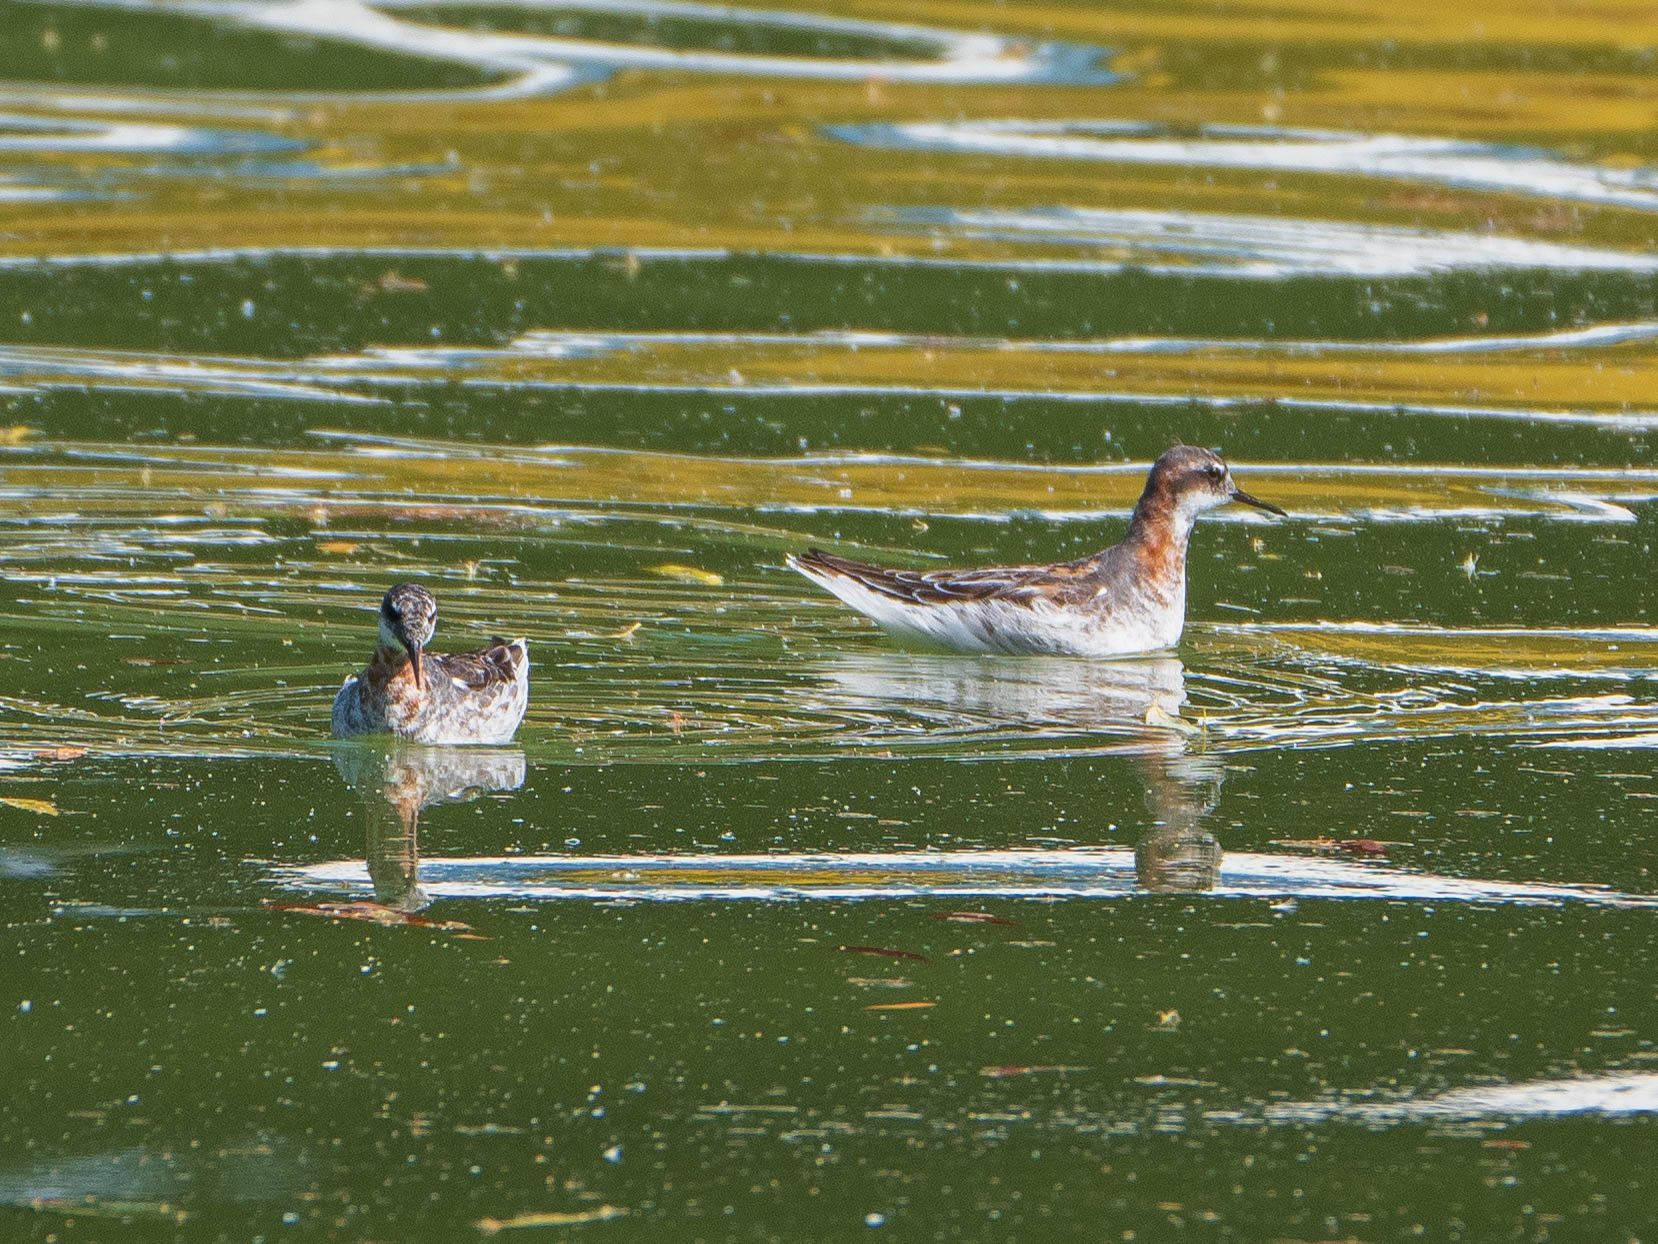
x=1129, y=598
x=433, y=697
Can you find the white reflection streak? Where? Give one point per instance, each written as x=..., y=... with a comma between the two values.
x=1259, y=247
x=554, y=343
x=1393, y=717
x=1608, y=743
x=546, y=64
x=962, y=56
x=34, y=134
x=328, y=377
x=1089, y=872
x=46, y=366
x=1616, y=1093
x=1442, y=161
x=1407, y=631
x=54, y=367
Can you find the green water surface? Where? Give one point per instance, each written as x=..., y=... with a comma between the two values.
x=1338, y=923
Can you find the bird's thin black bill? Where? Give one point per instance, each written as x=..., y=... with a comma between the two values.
x=1239, y=494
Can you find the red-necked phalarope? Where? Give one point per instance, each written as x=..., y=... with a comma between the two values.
x=1130, y=598
x=433, y=697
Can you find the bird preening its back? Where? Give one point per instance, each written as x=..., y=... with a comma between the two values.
x=433, y=697
x=1129, y=598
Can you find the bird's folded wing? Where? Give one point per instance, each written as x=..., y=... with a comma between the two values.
x=1016, y=584
x=495, y=665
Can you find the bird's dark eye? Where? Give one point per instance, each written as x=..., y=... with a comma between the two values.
x=1215, y=470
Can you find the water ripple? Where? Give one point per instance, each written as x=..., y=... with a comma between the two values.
x=1442, y=161
x=545, y=64
x=1255, y=247
x=838, y=363
x=1085, y=873
x=22, y=133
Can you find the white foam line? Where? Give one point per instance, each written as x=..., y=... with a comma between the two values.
x=1576, y=338
x=1075, y=267
x=1094, y=872
x=1619, y=742
x=210, y=387
x=1454, y=471
x=233, y=254
x=1614, y=1093
x=572, y=456
x=253, y=376
x=545, y=64
x=60, y=367
x=1397, y=717
x=39, y=134
x=1406, y=630
x=1621, y=421
x=779, y=19
x=560, y=341
x=353, y=22
x=1617, y=1093
x=963, y=57
x=37, y=95
x=43, y=194
x=1442, y=161
x=1265, y=247
x=711, y=254
x=1136, y=468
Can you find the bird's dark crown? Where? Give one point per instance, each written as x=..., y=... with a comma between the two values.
x=1181, y=472
x=410, y=613
x=1186, y=481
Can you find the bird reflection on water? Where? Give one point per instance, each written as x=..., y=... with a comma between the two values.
x=1031, y=708
x=1126, y=708
x=1136, y=702
x=1178, y=853
x=396, y=783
